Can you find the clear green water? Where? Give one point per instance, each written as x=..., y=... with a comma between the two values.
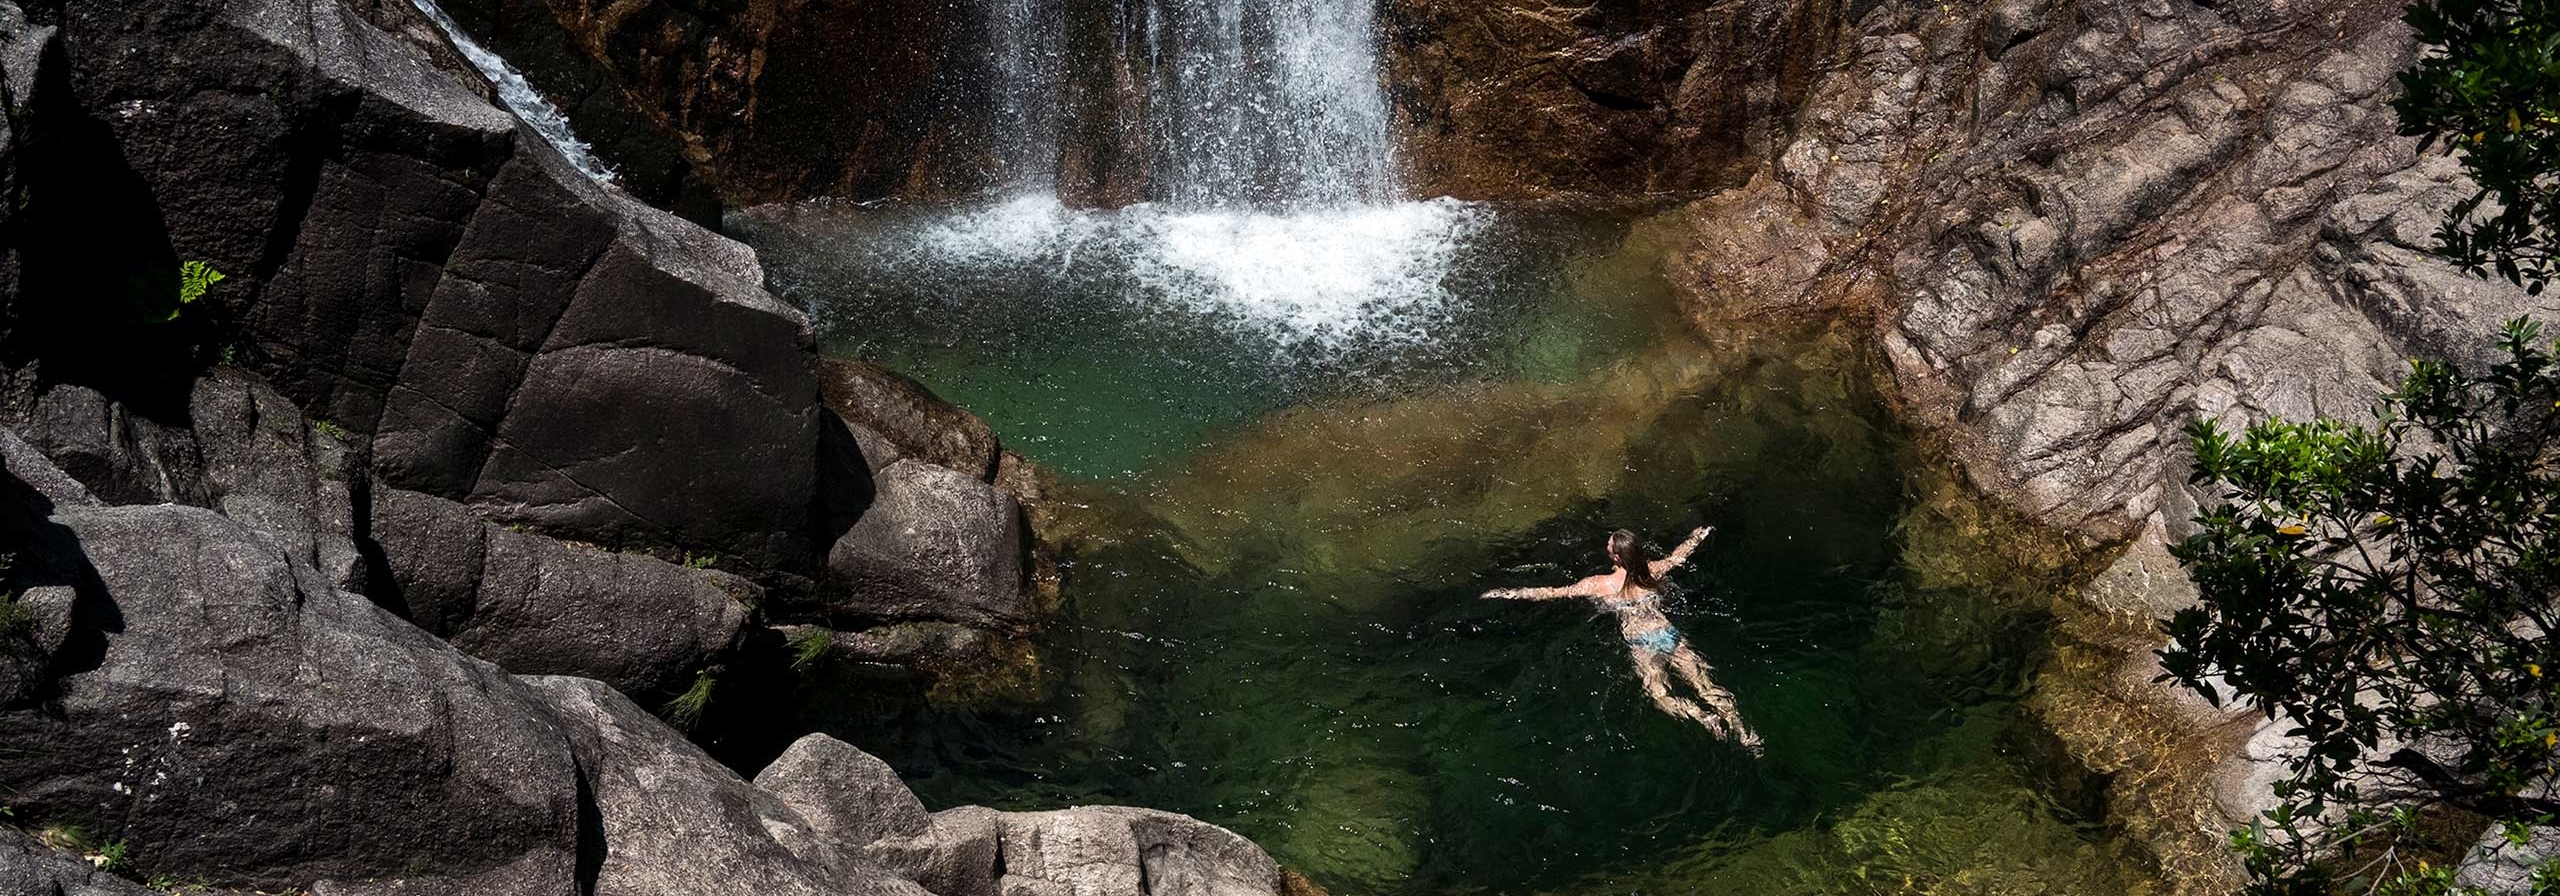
x=1271, y=617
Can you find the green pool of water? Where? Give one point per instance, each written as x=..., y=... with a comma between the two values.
x=1272, y=622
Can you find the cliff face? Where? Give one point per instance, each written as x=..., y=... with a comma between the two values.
x=755, y=101
x=1522, y=100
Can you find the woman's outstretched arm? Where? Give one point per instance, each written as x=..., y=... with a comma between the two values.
x=1585, y=588
x=1680, y=555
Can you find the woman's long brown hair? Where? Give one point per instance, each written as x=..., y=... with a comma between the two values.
x=1629, y=554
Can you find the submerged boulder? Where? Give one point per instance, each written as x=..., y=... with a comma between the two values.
x=540, y=607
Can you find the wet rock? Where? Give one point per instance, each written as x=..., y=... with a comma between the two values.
x=540, y=607
x=30, y=867
x=674, y=821
x=918, y=423
x=936, y=545
x=220, y=690
x=752, y=100
x=1630, y=99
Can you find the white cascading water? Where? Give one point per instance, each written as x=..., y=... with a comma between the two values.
x=1274, y=197
x=519, y=95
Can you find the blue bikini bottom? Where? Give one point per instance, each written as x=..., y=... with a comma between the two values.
x=1661, y=640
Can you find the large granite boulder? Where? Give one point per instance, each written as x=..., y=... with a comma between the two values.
x=231, y=715
x=935, y=544
x=859, y=801
x=411, y=266
x=675, y=822
x=540, y=607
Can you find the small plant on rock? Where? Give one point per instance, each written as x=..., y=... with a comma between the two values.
x=195, y=278
x=810, y=646
x=685, y=711
x=699, y=561
x=330, y=429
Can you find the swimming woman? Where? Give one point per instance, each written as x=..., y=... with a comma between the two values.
x=1634, y=593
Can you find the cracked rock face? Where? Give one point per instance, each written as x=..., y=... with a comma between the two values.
x=2132, y=216
x=230, y=713
x=1521, y=99
x=498, y=329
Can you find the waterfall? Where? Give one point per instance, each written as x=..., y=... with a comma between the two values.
x=519, y=95
x=1268, y=103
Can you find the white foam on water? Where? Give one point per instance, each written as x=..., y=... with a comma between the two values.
x=519, y=95
x=1324, y=277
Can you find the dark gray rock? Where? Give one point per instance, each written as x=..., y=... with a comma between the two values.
x=270, y=469
x=231, y=715
x=677, y=823
x=540, y=607
x=242, y=449
x=33, y=869
x=918, y=423
x=498, y=328
x=935, y=544
x=39, y=474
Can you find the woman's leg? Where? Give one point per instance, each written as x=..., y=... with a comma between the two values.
x=1694, y=670
x=1657, y=685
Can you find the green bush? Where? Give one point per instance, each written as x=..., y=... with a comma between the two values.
x=2383, y=586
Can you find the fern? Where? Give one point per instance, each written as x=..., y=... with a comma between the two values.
x=699, y=561
x=194, y=278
